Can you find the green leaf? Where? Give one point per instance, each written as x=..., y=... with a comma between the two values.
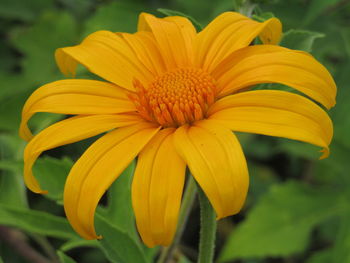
x=8, y=81
x=300, y=39
x=183, y=259
x=316, y=7
x=23, y=10
x=52, y=174
x=281, y=222
x=323, y=256
x=75, y=243
x=10, y=110
x=341, y=251
x=38, y=44
x=12, y=189
x=299, y=149
x=117, y=244
x=346, y=37
x=8, y=58
x=224, y=6
x=201, y=10
x=12, y=146
x=80, y=8
x=263, y=16
x=116, y=16
x=119, y=209
x=169, y=12
x=261, y=179
x=340, y=113
x=64, y=258
x=36, y=222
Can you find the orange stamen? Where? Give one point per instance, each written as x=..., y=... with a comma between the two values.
x=175, y=98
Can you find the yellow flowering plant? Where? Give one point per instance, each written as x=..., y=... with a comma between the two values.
x=173, y=98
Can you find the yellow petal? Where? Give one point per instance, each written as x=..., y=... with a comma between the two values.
x=107, y=55
x=65, y=132
x=97, y=169
x=272, y=64
x=75, y=97
x=217, y=162
x=146, y=50
x=174, y=37
x=275, y=113
x=157, y=189
x=188, y=32
x=229, y=32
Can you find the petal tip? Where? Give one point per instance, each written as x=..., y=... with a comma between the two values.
x=65, y=64
x=325, y=153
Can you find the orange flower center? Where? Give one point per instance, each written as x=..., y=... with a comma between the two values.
x=175, y=98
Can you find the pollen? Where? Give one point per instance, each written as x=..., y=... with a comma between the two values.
x=175, y=98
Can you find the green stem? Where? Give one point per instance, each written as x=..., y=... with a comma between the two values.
x=185, y=210
x=46, y=247
x=208, y=229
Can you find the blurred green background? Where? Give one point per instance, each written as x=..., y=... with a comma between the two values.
x=298, y=208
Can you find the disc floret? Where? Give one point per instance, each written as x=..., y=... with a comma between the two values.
x=175, y=98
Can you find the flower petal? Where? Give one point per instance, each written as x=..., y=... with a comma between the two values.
x=174, y=36
x=229, y=32
x=97, y=169
x=157, y=189
x=65, y=132
x=147, y=51
x=217, y=162
x=275, y=113
x=272, y=64
x=107, y=55
x=75, y=97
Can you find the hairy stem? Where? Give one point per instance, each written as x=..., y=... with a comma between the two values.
x=208, y=230
x=186, y=206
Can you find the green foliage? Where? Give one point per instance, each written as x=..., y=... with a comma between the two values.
x=64, y=258
x=340, y=114
x=321, y=257
x=316, y=8
x=341, y=250
x=52, y=174
x=183, y=259
x=286, y=216
x=284, y=220
x=300, y=39
x=118, y=245
x=23, y=10
x=263, y=16
x=117, y=16
x=36, y=222
x=119, y=209
x=78, y=243
x=38, y=43
x=12, y=189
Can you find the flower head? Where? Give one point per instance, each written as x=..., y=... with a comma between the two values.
x=172, y=97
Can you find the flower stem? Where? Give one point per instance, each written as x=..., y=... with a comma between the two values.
x=186, y=206
x=208, y=229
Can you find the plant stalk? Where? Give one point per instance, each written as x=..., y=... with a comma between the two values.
x=187, y=203
x=208, y=229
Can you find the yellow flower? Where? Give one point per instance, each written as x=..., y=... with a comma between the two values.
x=175, y=96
